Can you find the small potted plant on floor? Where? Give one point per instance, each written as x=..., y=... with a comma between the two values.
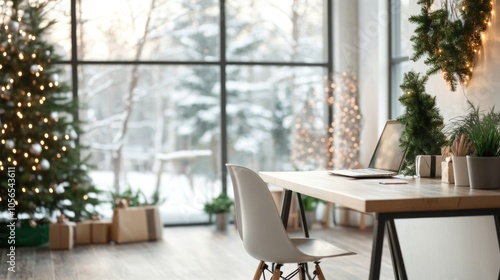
x=310, y=204
x=484, y=164
x=220, y=206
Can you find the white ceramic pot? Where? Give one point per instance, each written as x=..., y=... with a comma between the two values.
x=460, y=171
x=484, y=172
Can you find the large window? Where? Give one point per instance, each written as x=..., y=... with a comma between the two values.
x=400, y=51
x=172, y=90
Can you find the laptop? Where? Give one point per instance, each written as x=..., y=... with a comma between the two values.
x=387, y=158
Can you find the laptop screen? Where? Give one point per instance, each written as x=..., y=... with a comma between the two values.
x=388, y=155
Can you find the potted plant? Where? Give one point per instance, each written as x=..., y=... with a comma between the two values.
x=460, y=144
x=484, y=164
x=220, y=206
x=310, y=204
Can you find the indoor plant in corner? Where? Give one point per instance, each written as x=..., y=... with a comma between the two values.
x=310, y=204
x=220, y=206
x=484, y=164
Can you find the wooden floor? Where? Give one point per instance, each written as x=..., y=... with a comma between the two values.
x=192, y=252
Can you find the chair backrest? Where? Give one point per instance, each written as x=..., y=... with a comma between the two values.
x=261, y=228
x=237, y=212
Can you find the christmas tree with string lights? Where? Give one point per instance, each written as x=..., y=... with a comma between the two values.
x=346, y=122
x=39, y=134
x=309, y=149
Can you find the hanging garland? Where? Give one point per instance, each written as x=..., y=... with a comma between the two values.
x=452, y=43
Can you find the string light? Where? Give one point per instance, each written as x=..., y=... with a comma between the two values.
x=346, y=125
x=309, y=147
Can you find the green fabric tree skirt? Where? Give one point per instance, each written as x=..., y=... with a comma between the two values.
x=26, y=236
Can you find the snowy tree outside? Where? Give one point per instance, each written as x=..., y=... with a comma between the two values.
x=149, y=84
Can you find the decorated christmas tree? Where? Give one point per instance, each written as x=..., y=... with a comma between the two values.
x=41, y=172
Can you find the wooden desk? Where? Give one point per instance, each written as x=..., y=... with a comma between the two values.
x=419, y=198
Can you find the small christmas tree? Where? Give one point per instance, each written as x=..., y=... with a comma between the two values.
x=347, y=122
x=423, y=123
x=40, y=166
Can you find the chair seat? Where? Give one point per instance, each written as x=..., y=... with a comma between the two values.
x=318, y=249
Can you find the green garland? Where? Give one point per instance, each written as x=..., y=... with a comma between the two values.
x=451, y=45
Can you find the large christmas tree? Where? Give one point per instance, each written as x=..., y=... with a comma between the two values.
x=41, y=172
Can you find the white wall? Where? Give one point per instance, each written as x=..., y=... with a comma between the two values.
x=457, y=248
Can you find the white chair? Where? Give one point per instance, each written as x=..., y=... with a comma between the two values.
x=263, y=234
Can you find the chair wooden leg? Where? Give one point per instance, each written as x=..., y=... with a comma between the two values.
x=259, y=271
x=301, y=271
x=277, y=273
x=319, y=272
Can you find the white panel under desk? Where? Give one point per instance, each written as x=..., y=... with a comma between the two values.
x=460, y=248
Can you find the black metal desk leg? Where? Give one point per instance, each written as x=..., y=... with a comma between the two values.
x=497, y=226
x=393, y=254
x=303, y=215
x=377, y=246
x=285, y=207
x=397, y=256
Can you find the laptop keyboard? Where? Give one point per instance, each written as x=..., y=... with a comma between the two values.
x=370, y=171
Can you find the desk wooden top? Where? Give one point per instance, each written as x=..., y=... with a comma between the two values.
x=368, y=195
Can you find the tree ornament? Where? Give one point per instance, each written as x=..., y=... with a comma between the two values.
x=36, y=149
x=34, y=69
x=9, y=144
x=54, y=78
x=7, y=79
x=3, y=46
x=72, y=133
x=44, y=164
x=451, y=39
x=14, y=26
x=54, y=116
